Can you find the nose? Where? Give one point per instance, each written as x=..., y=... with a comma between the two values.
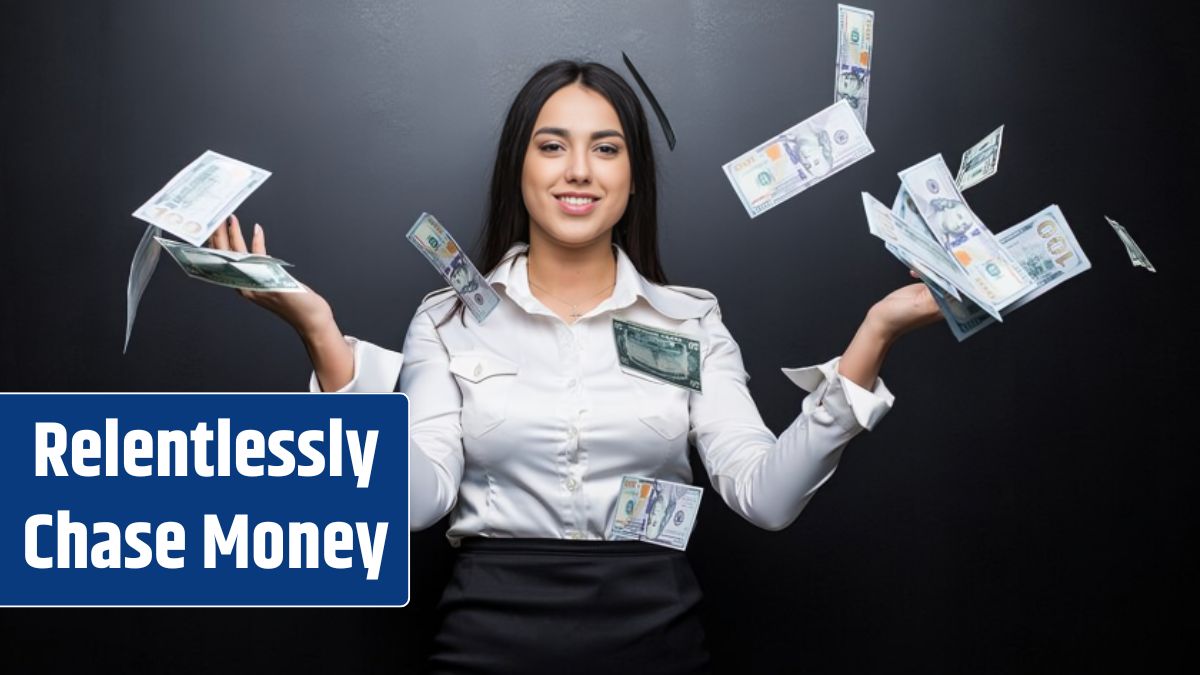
x=578, y=168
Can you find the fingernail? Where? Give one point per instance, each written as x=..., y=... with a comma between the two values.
x=257, y=228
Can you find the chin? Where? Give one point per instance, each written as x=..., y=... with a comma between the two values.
x=575, y=233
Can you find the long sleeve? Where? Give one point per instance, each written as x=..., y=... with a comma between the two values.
x=435, y=457
x=769, y=479
x=435, y=424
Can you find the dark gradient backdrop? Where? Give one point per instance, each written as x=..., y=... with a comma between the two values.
x=1024, y=508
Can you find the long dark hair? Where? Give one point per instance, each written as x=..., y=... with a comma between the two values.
x=507, y=218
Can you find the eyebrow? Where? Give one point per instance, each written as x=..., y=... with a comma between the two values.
x=559, y=131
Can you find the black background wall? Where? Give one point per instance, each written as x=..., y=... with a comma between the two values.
x=1024, y=508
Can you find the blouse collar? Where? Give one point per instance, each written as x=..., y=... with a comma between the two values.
x=513, y=275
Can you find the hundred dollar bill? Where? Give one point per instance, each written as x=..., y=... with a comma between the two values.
x=917, y=246
x=856, y=36
x=145, y=261
x=444, y=253
x=992, y=272
x=252, y=272
x=1136, y=256
x=671, y=514
x=795, y=160
x=915, y=228
x=981, y=161
x=904, y=210
x=660, y=354
x=1045, y=246
x=197, y=199
x=655, y=511
x=910, y=220
x=629, y=519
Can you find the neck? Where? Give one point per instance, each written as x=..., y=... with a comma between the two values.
x=571, y=272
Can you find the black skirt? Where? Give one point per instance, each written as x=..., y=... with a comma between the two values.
x=553, y=606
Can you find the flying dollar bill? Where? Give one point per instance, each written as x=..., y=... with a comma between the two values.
x=246, y=271
x=444, y=253
x=856, y=37
x=198, y=198
x=655, y=511
x=1045, y=246
x=795, y=160
x=659, y=354
x=1136, y=256
x=981, y=161
x=145, y=261
x=991, y=270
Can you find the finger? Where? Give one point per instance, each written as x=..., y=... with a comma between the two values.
x=259, y=243
x=220, y=238
x=913, y=274
x=235, y=235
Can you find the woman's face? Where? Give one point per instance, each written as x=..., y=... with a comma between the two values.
x=576, y=179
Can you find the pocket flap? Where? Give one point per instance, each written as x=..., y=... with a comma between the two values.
x=478, y=367
x=666, y=426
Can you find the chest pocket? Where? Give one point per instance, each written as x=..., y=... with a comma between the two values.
x=486, y=381
x=663, y=407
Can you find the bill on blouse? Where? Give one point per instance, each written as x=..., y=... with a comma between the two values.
x=981, y=161
x=993, y=273
x=629, y=519
x=193, y=203
x=1136, y=256
x=655, y=511
x=659, y=354
x=447, y=257
x=795, y=160
x=856, y=37
x=145, y=261
x=246, y=271
x=1045, y=246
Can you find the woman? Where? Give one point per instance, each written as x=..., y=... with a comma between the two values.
x=525, y=424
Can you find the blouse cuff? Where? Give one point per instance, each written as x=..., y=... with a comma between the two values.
x=850, y=404
x=375, y=369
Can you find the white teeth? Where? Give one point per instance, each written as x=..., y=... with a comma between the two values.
x=577, y=201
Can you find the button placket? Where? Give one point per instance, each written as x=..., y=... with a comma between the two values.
x=571, y=346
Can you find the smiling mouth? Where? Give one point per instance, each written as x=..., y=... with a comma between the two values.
x=577, y=201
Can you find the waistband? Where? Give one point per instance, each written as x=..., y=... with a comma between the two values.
x=577, y=547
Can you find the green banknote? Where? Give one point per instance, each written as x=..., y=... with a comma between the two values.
x=659, y=354
x=247, y=271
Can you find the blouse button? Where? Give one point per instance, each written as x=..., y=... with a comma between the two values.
x=572, y=382
x=573, y=534
x=572, y=484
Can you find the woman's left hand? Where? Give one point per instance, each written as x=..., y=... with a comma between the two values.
x=904, y=309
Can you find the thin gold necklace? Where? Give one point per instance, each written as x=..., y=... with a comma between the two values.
x=575, y=314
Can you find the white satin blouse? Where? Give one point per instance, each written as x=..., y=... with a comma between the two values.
x=524, y=425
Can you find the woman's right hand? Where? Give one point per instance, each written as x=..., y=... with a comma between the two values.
x=307, y=312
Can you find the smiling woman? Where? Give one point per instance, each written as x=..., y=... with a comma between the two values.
x=524, y=427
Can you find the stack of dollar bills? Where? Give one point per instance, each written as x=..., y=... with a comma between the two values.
x=977, y=277
x=191, y=206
